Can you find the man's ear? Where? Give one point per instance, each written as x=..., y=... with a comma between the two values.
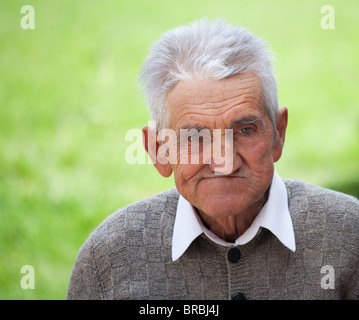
x=281, y=127
x=152, y=147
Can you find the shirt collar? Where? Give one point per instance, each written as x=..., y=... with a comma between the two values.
x=274, y=216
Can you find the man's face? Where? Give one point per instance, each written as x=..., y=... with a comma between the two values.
x=234, y=103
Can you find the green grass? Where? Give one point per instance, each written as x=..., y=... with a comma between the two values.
x=68, y=95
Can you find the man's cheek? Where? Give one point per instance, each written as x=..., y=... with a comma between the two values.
x=186, y=173
x=260, y=152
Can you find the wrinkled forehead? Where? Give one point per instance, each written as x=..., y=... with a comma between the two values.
x=201, y=101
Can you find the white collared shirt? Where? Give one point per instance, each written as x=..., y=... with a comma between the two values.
x=274, y=216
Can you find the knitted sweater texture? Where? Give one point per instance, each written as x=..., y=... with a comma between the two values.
x=128, y=256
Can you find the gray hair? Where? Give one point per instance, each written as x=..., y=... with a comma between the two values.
x=204, y=50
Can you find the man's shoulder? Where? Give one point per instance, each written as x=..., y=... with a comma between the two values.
x=318, y=196
x=129, y=223
x=314, y=207
x=158, y=203
x=131, y=235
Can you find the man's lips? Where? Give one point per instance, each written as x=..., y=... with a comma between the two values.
x=224, y=176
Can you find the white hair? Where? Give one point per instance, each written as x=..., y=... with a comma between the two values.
x=204, y=50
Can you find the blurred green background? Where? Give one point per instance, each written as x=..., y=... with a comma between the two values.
x=68, y=95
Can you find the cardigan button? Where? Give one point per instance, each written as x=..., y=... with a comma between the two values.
x=238, y=296
x=233, y=255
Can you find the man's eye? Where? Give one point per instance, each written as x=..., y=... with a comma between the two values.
x=247, y=131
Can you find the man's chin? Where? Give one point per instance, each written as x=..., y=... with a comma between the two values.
x=222, y=206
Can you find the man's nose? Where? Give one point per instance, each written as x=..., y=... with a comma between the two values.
x=225, y=160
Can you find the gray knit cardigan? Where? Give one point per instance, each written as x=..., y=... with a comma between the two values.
x=128, y=256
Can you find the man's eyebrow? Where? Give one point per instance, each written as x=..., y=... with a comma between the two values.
x=245, y=120
x=189, y=127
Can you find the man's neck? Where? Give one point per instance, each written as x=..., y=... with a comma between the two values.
x=231, y=227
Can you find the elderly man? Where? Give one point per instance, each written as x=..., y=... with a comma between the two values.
x=232, y=228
